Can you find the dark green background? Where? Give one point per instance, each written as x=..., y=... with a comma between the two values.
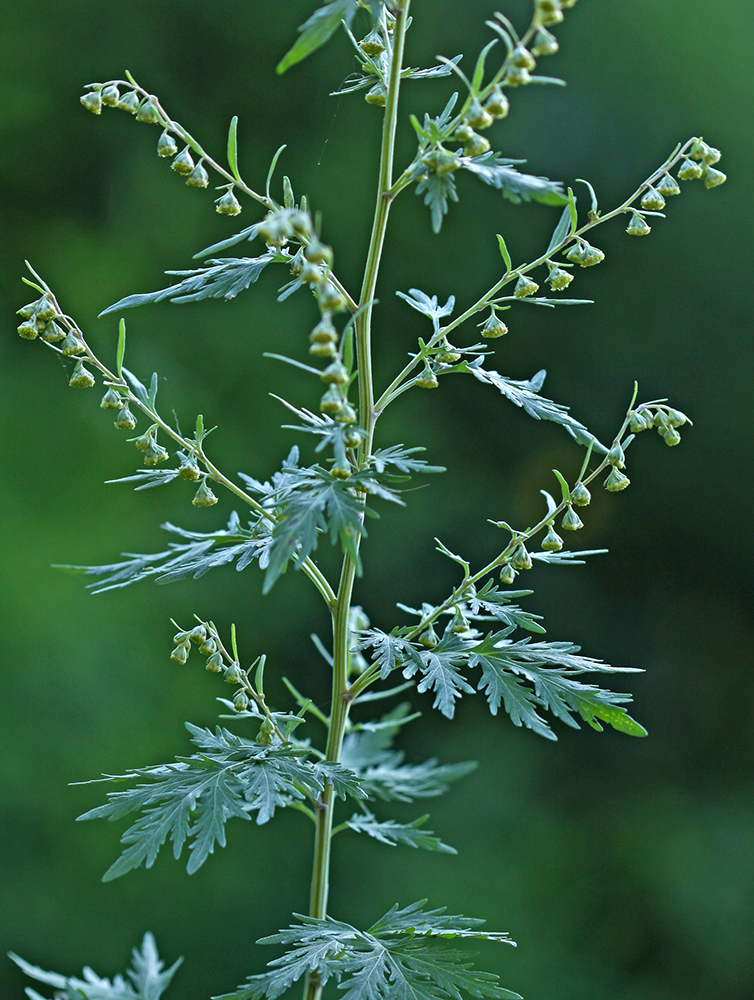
x=623, y=868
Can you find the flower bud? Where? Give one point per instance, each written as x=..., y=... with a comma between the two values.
x=352, y=438
x=29, y=310
x=53, y=332
x=521, y=558
x=712, y=155
x=129, y=102
x=639, y=421
x=155, y=454
x=198, y=178
x=208, y=646
x=545, y=43
x=638, y=226
x=228, y=204
x=340, y=470
x=233, y=675
x=497, y=104
x=149, y=112
x=297, y=263
x=373, y=44
x=525, y=286
x=180, y=637
x=198, y=634
x=166, y=145
x=181, y=652
x=447, y=354
x=143, y=442
x=549, y=12
x=323, y=350
x=429, y=638
x=460, y=624
x=266, y=733
x=559, y=279
x=335, y=374
x=660, y=421
x=125, y=421
x=616, y=457
x=71, y=345
x=214, y=663
x=189, y=470
x=581, y=495
x=522, y=58
x=45, y=308
x=476, y=145
x=241, y=701
x=714, y=178
x=81, y=378
x=204, y=496
x=552, y=542
x=28, y=329
x=318, y=253
x=376, y=96
x=668, y=186
x=183, y=163
x=653, y=201
x=111, y=400
x=493, y=327
x=92, y=101
x=440, y=161
x=616, y=481
x=517, y=76
x=329, y=298
x=676, y=418
x=571, y=520
x=332, y=400
x=427, y=379
x=477, y=116
x=324, y=332
x=690, y=171
x=671, y=437
x=463, y=133
x=346, y=414
x=507, y=574
x=584, y=254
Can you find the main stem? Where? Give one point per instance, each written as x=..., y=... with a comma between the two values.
x=341, y=697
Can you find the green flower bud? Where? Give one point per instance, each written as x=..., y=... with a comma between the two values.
x=376, y=96
x=714, y=178
x=46, y=308
x=318, y=253
x=447, y=354
x=581, y=495
x=521, y=558
x=183, y=163
x=198, y=634
x=324, y=332
x=143, y=442
x=204, y=496
x=712, y=155
x=571, y=520
x=477, y=116
x=311, y=274
x=241, y=701
x=585, y=255
x=81, y=378
x=340, y=470
x=638, y=421
x=332, y=400
x=180, y=637
x=507, y=574
x=335, y=374
x=189, y=470
x=427, y=379
x=460, y=624
x=92, y=101
x=676, y=418
x=208, y=646
x=346, y=414
x=29, y=310
x=493, y=327
x=149, y=112
x=497, y=104
x=111, y=400
x=228, y=204
x=28, y=329
x=440, y=161
x=525, y=286
x=653, y=201
x=477, y=145
x=129, y=102
x=616, y=457
x=373, y=44
x=155, y=454
x=266, y=733
x=668, y=186
x=517, y=76
x=110, y=95
x=558, y=279
x=198, y=178
x=166, y=145
x=545, y=44
x=429, y=638
x=233, y=675
x=552, y=542
x=297, y=263
x=549, y=12
x=464, y=132
x=329, y=298
x=125, y=421
x=616, y=481
x=180, y=653
x=522, y=58
x=638, y=226
x=214, y=663
x=71, y=345
x=690, y=171
x=53, y=332
x=567, y=3
x=323, y=350
x=671, y=437
x=660, y=421
x=352, y=438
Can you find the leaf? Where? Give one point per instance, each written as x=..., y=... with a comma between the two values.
x=225, y=278
x=148, y=478
x=390, y=651
x=490, y=601
x=392, y=833
x=516, y=187
x=233, y=147
x=401, y=458
x=504, y=253
x=478, y=77
x=317, y=30
x=146, y=974
x=121, y=348
x=573, y=211
x=438, y=191
x=427, y=306
x=562, y=231
x=440, y=669
x=250, y=233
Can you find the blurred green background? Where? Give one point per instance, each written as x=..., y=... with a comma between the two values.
x=623, y=868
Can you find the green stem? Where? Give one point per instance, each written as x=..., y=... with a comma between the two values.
x=341, y=697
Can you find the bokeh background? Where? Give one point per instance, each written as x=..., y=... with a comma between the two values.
x=623, y=868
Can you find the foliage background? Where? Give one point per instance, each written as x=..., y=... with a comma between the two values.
x=623, y=868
